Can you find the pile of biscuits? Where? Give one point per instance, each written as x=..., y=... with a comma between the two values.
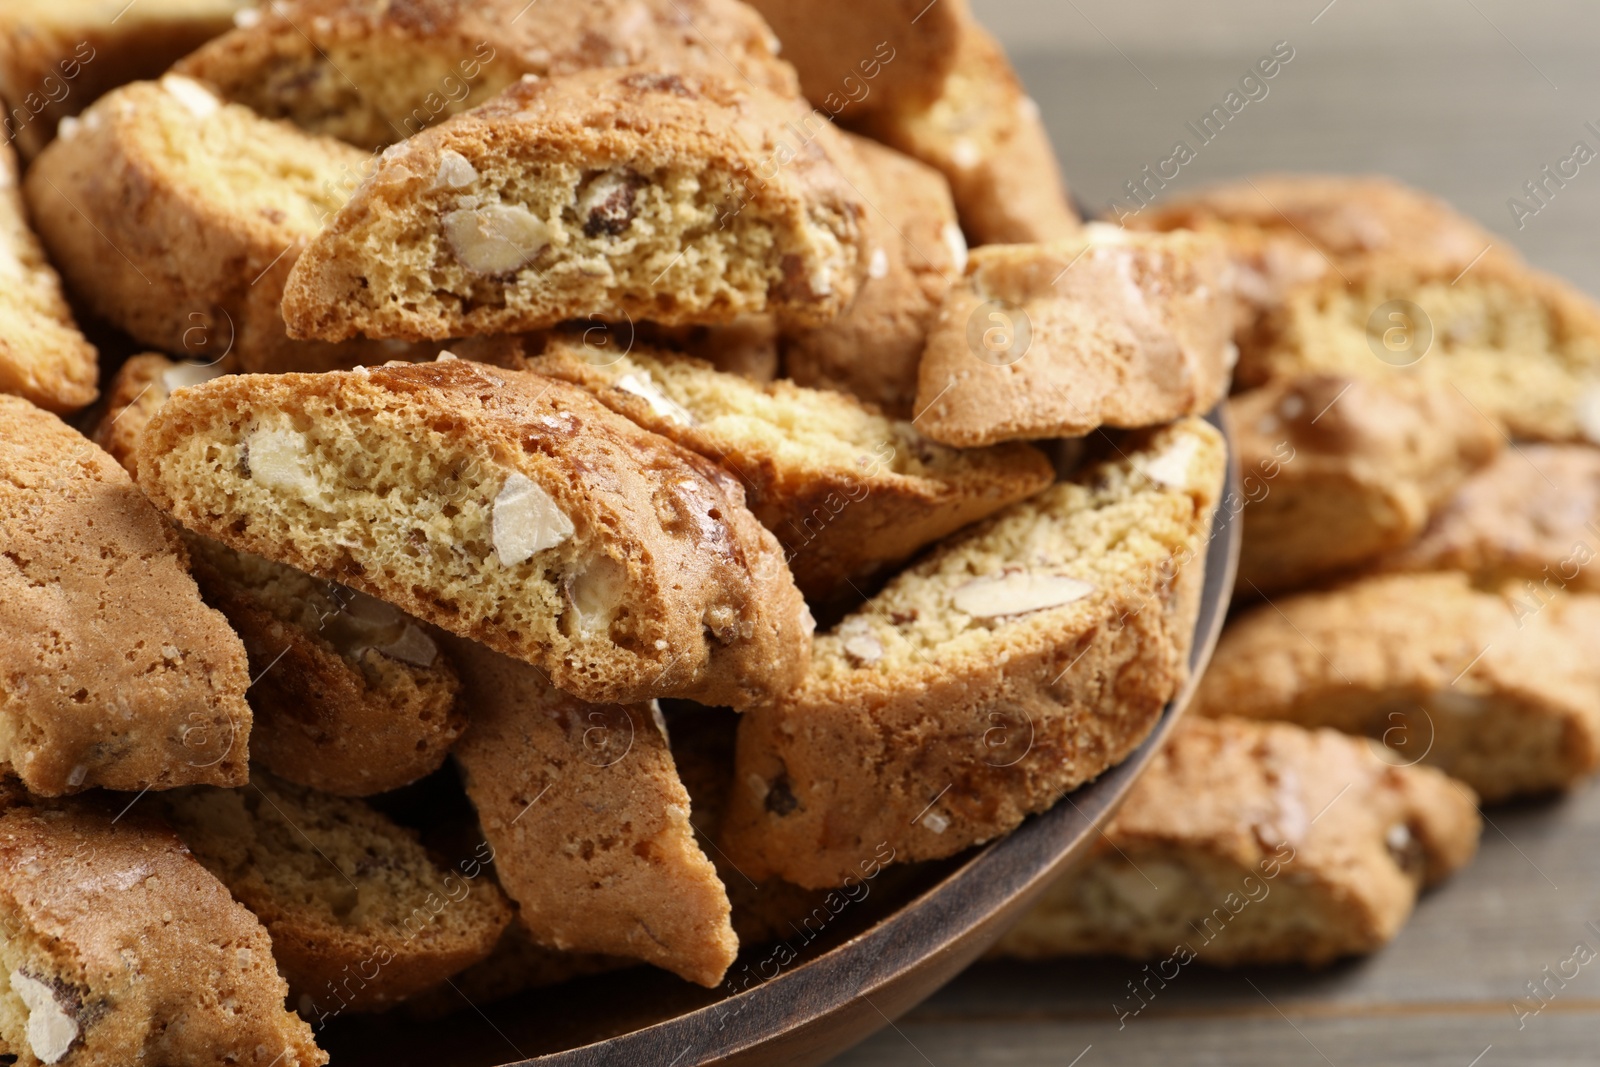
x=541, y=489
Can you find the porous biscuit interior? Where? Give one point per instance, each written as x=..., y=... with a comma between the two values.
x=34, y=956
x=1050, y=562
x=295, y=855
x=547, y=239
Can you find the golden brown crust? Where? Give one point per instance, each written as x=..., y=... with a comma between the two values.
x=620, y=195
x=1264, y=843
x=846, y=492
x=642, y=574
x=1353, y=468
x=1533, y=515
x=177, y=218
x=116, y=674
x=590, y=825
x=1106, y=329
x=43, y=357
x=915, y=253
x=1017, y=661
x=985, y=135
x=360, y=915
x=1495, y=689
x=374, y=73
x=143, y=949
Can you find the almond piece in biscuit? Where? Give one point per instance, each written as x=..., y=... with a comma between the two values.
x=375, y=73
x=1286, y=229
x=846, y=491
x=915, y=253
x=986, y=136
x=1108, y=329
x=502, y=506
x=360, y=916
x=1521, y=346
x=120, y=949
x=1496, y=689
x=1531, y=516
x=115, y=674
x=176, y=217
x=609, y=194
x=57, y=58
x=923, y=729
x=1344, y=469
x=1252, y=843
x=589, y=823
x=43, y=357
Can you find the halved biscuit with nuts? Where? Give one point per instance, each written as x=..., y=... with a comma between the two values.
x=1257, y=843
x=846, y=491
x=361, y=916
x=1349, y=468
x=375, y=73
x=1016, y=662
x=589, y=823
x=113, y=673
x=1497, y=689
x=1521, y=346
x=140, y=387
x=119, y=949
x=613, y=194
x=1106, y=329
x=43, y=357
x=176, y=217
x=502, y=506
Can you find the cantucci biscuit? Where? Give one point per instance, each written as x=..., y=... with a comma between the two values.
x=43, y=357
x=1351, y=468
x=1496, y=689
x=360, y=916
x=610, y=194
x=176, y=217
x=115, y=674
x=589, y=823
x=1257, y=843
x=1014, y=663
x=846, y=491
x=119, y=949
x=375, y=73
x=500, y=505
x=140, y=387
x=1106, y=329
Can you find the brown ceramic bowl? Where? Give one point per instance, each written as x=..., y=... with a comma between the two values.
x=805, y=1000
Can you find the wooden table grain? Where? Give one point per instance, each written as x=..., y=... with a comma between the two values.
x=1471, y=101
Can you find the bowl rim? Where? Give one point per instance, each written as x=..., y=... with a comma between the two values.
x=824, y=1005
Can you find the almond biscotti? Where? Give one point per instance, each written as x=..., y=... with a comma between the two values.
x=56, y=58
x=589, y=822
x=120, y=949
x=985, y=134
x=916, y=252
x=502, y=506
x=113, y=674
x=1016, y=662
x=1530, y=517
x=375, y=73
x=361, y=916
x=1352, y=468
x=1257, y=843
x=607, y=194
x=1495, y=690
x=1286, y=229
x=1106, y=329
x=1521, y=346
x=43, y=357
x=846, y=491
x=141, y=386
x=176, y=217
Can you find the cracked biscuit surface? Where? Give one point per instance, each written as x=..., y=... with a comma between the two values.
x=499, y=505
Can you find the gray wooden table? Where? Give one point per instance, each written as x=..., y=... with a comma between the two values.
x=1471, y=99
